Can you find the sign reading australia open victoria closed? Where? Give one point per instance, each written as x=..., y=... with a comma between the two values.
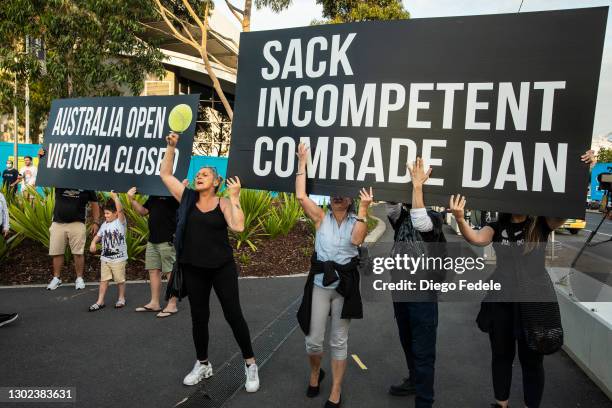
x=500, y=106
x=116, y=143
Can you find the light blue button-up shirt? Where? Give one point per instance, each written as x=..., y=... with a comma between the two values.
x=333, y=243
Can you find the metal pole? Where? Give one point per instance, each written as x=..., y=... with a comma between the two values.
x=27, y=112
x=27, y=98
x=15, y=142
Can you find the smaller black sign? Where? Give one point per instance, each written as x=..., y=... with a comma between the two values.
x=116, y=143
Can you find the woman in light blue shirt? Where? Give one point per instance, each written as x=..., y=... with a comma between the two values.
x=333, y=284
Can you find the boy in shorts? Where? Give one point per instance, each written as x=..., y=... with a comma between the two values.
x=113, y=257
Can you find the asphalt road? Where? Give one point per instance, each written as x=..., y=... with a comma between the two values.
x=593, y=219
x=119, y=358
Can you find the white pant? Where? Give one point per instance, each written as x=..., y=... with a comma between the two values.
x=322, y=301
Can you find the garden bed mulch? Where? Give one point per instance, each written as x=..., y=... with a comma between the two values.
x=284, y=255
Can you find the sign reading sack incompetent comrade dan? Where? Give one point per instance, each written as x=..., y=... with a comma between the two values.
x=500, y=106
x=116, y=143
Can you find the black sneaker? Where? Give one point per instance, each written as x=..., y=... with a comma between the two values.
x=8, y=318
x=404, y=389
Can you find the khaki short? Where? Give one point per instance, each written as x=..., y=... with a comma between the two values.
x=160, y=256
x=73, y=233
x=113, y=270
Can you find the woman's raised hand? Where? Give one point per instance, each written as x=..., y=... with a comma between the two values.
x=131, y=193
x=366, y=197
x=302, y=150
x=233, y=187
x=418, y=175
x=172, y=139
x=589, y=158
x=457, y=206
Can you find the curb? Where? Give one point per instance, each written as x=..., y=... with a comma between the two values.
x=95, y=283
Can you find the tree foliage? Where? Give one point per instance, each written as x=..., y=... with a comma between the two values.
x=275, y=5
x=604, y=155
x=92, y=48
x=346, y=11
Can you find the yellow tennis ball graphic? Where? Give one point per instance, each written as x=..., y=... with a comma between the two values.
x=180, y=117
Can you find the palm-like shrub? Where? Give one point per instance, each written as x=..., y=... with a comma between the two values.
x=136, y=222
x=32, y=217
x=8, y=196
x=282, y=218
x=8, y=245
x=138, y=227
x=255, y=205
x=136, y=244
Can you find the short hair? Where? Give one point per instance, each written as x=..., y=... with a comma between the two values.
x=215, y=175
x=109, y=205
x=10, y=161
x=27, y=157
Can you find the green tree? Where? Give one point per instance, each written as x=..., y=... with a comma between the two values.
x=346, y=11
x=92, y=48
x=604, y=155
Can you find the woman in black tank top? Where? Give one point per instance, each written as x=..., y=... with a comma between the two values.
x=206, y=232
x=205, y=260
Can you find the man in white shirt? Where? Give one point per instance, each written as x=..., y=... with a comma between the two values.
x=28, y=174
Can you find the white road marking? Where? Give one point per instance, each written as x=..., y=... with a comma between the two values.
x=600, y=233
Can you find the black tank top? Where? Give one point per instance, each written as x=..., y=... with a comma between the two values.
x=206, y=242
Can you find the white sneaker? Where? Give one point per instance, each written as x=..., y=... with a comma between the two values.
x=79, y=284
x=199, y=372
x=252, y=378
x=54, y=284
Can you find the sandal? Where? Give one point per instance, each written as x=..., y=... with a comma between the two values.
x=163, y=314
x=147, y=309
x=95, y=307
x=120, y=304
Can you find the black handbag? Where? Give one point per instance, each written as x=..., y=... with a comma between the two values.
x=541, y=325
x=540, y=321
x=176, y=283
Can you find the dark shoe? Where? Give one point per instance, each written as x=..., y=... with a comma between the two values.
x=329, y=404
x=8, y=318
x=312, y=392
x=403, y=390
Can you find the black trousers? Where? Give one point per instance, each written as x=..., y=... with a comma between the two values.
x=504, y=341
x=417, y=323
x=224, y=280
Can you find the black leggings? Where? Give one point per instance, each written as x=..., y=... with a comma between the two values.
x=198, y=282
x=503, y=347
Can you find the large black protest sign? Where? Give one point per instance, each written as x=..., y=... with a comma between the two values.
x=500, y=106
x=117, y=142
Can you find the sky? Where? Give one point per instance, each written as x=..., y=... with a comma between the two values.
x=302, y=12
